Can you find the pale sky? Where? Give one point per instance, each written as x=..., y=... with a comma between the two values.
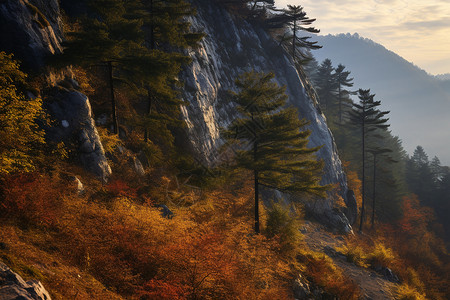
x=417, y=30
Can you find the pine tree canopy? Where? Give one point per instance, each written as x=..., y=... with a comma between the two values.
x=366, y=113
x=271, y=137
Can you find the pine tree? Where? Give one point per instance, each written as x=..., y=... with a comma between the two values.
x=343, y=95
x=139, y=42
x=294, y=17
x=376, y=152
x=420, y=176
x=107, y=38
x=326, y=86
x=271, y=140
x=368, y=118
x=166, y=29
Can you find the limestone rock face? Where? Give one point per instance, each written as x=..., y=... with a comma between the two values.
x=31, y=29
x=75, y=125
x=231, y=47
x=13, y=287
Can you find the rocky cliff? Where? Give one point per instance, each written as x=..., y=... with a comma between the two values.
x=233, y=46
x=32, y=30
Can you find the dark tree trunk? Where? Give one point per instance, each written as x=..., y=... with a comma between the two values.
x=294, y=37
x=149, y=110
x=340, y=103
x=152, y=47
x=373, y=192
x=255, y=174
x=363, y=170
x=113, y=100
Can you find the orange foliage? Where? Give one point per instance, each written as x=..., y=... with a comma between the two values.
x=121, y=189
x=324, y=273
x=353, y=183
x=415, y=218
x=32, y=199
x=417, y=247
x=207, y=251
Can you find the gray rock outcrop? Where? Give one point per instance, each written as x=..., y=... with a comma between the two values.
x=31, y=29
x=13, y=287
x=72, y=112
x=231, y=47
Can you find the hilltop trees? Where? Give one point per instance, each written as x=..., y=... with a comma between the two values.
x=295, y=19
x=326, y=86
x=332, y=88
x=165, y=28
x=368, y=118
x=136, y=41
x=270, y=139
x=343, y=81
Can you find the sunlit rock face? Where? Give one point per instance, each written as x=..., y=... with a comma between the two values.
x=231, y=47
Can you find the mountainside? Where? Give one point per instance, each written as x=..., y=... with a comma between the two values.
x=141, y=204
x=418, y=102
x=233, y=46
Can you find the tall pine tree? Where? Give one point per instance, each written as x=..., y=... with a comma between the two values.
x=368, y=118
x=271, y=139
x=294, y=20
x=343, y=95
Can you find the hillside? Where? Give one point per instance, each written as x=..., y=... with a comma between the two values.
x=176, y=150
x=418, y=102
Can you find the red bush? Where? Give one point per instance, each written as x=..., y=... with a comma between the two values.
x=122, y=189
x=32, y=199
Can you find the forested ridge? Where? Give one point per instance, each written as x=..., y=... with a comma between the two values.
x=159, y=223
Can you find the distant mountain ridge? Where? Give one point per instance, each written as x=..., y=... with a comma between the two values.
x=419, y=102
x=445, y=76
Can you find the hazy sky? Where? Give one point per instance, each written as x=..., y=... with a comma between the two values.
x=417, y=30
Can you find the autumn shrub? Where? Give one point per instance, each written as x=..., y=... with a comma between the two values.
x=406, y=292
x=21, y=138
x=355, y=254
x=381, y=256
x=120, y=188
x=110, y=141
x=284, y=227
x=32, y=199
x=323, y=272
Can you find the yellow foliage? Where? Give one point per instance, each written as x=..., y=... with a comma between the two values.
x=20, y=136
x=381, y=255
x=355, y=254
x=365, y=254
x=405, y=292
x=109, y=141
x=354, y=183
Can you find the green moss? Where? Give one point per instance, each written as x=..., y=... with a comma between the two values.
x=41, y=19
x=25, y=271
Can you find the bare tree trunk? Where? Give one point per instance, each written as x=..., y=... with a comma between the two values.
x=255, y=174
x=113, y=100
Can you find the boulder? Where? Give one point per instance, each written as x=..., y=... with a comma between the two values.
x=13, y=287
x=336, y=220
x=301, y=289
x=138, y=167
x=79, y=186
x=74, y=126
